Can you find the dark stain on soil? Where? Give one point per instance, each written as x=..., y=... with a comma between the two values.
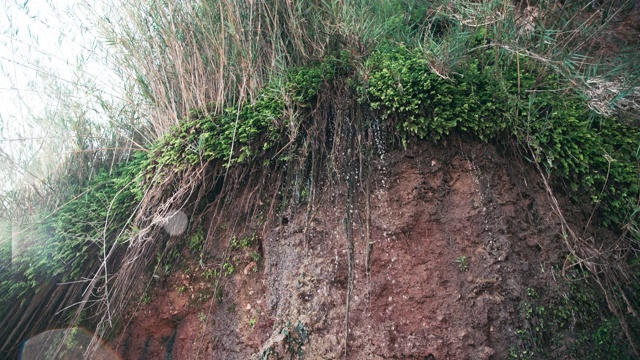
x=460, y=233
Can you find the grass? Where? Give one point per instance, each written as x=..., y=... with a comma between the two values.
x=236, y=92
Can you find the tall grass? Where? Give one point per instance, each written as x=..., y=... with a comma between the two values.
x=214, y=55
x=583, y=43
x=208, y=55
x=176, y=56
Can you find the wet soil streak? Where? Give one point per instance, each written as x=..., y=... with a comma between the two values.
x=170, y=343
x=461, y=234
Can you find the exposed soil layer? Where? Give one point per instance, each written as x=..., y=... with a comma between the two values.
x=460, y=233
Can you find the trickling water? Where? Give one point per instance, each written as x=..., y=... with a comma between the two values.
x=382, y=191
x=381, y=168
x=378, y=138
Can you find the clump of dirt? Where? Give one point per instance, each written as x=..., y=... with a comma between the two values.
x=461, y=235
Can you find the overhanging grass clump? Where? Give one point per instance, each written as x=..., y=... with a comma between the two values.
x=586, y=153
x=248, y=131
x=421, y=74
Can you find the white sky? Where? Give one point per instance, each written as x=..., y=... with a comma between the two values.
x=45, y=46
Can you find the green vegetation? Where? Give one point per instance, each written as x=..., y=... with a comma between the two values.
x=294, y=339
x=244, y=242
x=463, y=262
x=196, y=241
x=181, y=289
x=590, y=154
x=547, y=325
x=272, y=97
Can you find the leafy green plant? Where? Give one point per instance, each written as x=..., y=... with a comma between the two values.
x=593, y=155
x=244, y=242
x=523, y=354
x=463, y=263
x=210, y=273
x=196, y=241
x=228, y=268
x=255, y=256
x=295, y=338
x=146, y=298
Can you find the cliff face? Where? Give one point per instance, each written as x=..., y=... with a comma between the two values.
x=464, y=250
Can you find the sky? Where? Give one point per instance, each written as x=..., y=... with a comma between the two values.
x=53, y=64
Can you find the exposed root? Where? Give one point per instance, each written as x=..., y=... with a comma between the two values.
x=607, y=265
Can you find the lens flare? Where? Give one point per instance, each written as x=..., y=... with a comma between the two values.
x=53, y=344
x=176, y=223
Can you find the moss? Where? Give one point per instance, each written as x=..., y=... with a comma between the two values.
x=595, y=157
x=247, y=132
x=592, y=156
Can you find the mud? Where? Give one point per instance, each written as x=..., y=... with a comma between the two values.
x=461, y=232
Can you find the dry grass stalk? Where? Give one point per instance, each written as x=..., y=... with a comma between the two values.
x=608, y=266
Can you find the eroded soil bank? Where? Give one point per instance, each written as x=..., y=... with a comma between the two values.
x=461, y=234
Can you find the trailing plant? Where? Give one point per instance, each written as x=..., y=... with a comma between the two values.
x=260, y=96
x=577, y=312
x=67, y=243
x=244, y=133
